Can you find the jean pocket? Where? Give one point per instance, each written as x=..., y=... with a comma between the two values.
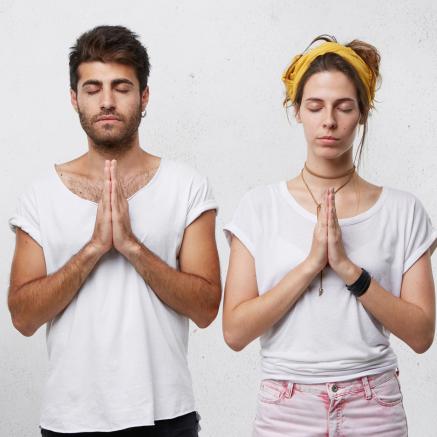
x=388, y=394
x=272, y=391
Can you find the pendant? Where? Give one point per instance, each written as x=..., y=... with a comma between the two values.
x=321, y=283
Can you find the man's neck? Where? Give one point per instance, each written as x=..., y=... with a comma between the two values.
x=129, y=161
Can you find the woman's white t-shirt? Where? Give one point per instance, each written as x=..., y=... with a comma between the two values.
x=117, y=353
x=329, y=337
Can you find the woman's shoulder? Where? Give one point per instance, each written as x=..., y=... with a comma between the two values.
x=259, y=195
x=403, y=206
x=399, y=197
x=390, y=196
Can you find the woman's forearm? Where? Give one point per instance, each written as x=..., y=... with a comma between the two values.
x=404, y=319
x=252, y=318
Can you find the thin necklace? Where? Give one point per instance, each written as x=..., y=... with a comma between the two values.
x=319, y=204
x=311, y=172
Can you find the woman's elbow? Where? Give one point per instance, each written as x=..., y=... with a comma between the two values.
x=233, y=340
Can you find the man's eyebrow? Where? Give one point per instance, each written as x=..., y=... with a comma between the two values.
x=91, y=82
x=114, y=82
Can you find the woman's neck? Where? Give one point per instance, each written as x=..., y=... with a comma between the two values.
x=324, y=173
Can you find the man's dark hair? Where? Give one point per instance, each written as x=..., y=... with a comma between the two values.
x=110, y=44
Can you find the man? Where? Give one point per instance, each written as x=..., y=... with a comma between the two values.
x=115, y=251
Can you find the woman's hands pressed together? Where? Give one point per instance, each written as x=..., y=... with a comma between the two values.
x=327, y=246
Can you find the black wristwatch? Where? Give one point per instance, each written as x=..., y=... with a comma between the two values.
x=360, y=286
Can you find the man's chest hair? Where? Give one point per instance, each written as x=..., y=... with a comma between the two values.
x=92, y=190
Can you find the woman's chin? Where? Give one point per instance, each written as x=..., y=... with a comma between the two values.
x=331, y=152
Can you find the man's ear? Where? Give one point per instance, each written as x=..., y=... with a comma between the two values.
x=145, y=98
x=73, y=98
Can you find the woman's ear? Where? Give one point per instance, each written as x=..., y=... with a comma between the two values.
x=297, y=114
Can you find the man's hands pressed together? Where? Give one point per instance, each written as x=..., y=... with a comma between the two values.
x=113, y=226
x=194, y=290
x=102, y=236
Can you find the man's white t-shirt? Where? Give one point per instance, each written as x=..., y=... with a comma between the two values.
x=329, y=337
x=117, y=353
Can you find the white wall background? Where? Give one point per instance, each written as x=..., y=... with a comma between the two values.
x=216, y=104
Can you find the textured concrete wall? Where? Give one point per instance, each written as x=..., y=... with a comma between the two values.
x=216, y=104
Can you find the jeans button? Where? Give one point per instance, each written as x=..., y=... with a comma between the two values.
x=334, y=388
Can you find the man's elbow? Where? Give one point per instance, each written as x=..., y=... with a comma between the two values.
x=209, y=314
x=207, y=317
x=22, y=327
x=423, y=344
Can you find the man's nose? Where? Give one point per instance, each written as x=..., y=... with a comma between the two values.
x=107, y=101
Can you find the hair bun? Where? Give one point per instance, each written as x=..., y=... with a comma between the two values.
x=369, y=54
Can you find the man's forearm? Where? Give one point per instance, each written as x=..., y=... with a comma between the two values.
x=40, y=300
x=187, y=294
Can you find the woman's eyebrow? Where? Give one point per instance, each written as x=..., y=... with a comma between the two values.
x=318, y=100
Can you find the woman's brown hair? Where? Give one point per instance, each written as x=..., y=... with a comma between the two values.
x=334, y=62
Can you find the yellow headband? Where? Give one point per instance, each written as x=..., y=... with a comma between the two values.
x=300, y=64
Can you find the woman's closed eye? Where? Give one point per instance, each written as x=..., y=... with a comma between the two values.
x=345, y=108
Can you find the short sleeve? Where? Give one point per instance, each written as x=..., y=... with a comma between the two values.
x=243, y=224
x=201, y=199
x=26, y=216
x=421, y=235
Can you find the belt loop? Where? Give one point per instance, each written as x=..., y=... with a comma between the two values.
x=366, y=386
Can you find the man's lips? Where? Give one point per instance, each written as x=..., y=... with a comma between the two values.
x=108, y=118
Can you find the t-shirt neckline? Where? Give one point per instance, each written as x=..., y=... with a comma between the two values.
x=143, y=188
x=344, y=221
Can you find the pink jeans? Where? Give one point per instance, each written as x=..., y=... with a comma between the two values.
x=368, y=406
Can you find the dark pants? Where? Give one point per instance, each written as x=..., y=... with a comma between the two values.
x=182, y=426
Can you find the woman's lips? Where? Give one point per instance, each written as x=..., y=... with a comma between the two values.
x=328, y=140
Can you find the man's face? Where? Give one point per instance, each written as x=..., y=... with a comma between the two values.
x=109, y=104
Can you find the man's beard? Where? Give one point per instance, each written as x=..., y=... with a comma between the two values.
x=111, y=138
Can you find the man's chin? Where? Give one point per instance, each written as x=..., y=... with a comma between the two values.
x=111, y=143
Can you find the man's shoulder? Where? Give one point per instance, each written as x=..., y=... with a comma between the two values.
x=181, y=171
x=41, y=181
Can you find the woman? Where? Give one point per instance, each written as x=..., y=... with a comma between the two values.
x=323, y=267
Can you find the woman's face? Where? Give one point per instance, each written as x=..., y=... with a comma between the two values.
x=329, y=113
